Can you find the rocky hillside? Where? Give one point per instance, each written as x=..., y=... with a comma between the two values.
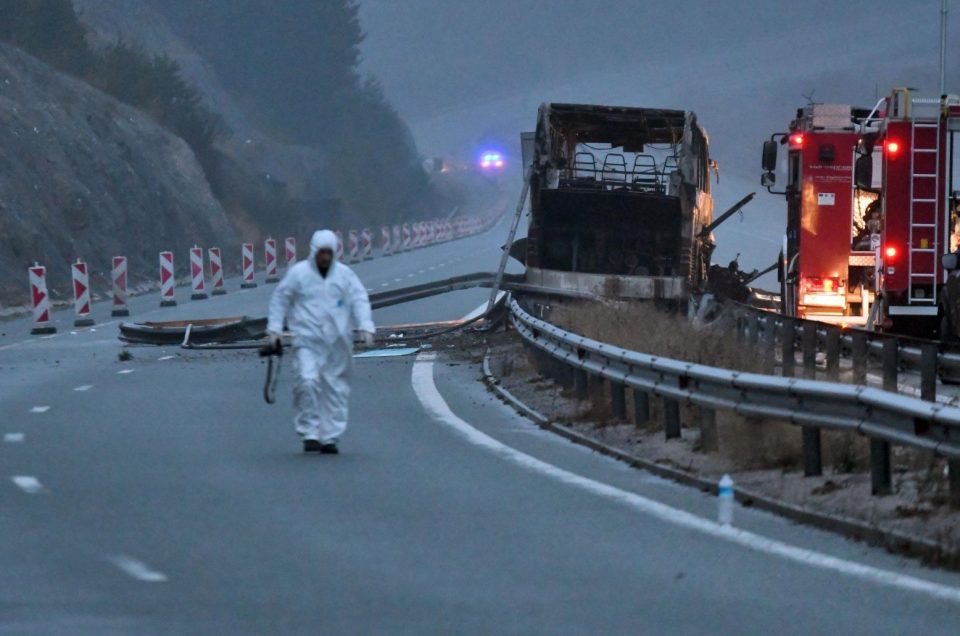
x=84, y=175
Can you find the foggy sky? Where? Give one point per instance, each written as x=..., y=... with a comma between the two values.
x=461, y=71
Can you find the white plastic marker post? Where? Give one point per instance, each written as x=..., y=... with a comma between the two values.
x=396, y=239
x=366, y=243
x=216, y=272
x=353, y=244
x=270, y=257
x=290, y=250
x=340, y=252
x=385, y=239
x=167, y=298
x=199, y=285
x=40, y=300
x=81, y=294
x=407, y=239
x=725, y=501
x=248, y=282
x=118, y=275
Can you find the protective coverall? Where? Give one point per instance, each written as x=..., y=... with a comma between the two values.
x=322, y=313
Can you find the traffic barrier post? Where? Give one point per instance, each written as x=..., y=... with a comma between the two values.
x=40, y=300
x=248, y=267
x=197, y=283
x=270, y=260
x=167, y=280
x=118, y=278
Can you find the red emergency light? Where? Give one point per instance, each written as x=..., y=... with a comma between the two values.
x=796, y=140
x=892, y=148
x=891, y=252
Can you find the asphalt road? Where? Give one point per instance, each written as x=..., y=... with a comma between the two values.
x=162, y=496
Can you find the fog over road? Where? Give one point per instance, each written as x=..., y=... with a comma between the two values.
x=162, y=495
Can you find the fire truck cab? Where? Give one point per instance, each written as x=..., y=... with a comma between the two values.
x=827, y=262
x=873, y=230
x=918, y=141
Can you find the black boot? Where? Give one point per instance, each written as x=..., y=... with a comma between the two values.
x=330, y=448
x=312, y=446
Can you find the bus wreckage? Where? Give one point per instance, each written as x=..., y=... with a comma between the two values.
x=620, y=203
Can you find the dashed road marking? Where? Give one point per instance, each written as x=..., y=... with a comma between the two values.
x=40, y=409
x=426, y=390
x=162, y=358
x=384, y=284
x=83, y=387
x=409, y=275
x=13, y=438
x=138, y=569
x=397, y=280
x=125, y=371
x=28, y=484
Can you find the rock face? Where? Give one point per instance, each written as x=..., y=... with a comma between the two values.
x=82, y=175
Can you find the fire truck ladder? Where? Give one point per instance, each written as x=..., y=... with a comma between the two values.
x=925, y=276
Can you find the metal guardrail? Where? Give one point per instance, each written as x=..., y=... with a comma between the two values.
x=883, y=416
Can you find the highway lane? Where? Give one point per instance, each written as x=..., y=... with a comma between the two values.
x=170, y=499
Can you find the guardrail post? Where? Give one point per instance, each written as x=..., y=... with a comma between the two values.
x=641, y=407
x=709, y=439
x=880, y=479
x=671, y=418
x=928, y=372
x=580, y=386
x=769, y=345
x=787, y=347
x=859, y=351
x=618, y=400
x=953, y=476
x=754, y=329
x=833, y=355
x=809, y=347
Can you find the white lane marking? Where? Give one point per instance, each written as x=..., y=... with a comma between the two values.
x=13, y=438
x=384, y=284
x=409, y=275
x=28, y=484
x=397, y=280
x=162, y=358
x=83, y=387
x=40, y=409
x=125, y=371
x=426, y=390
x=138, y=569
x=47, y=337
x=369, y=289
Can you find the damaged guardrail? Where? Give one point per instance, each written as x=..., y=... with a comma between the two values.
x=882, y=416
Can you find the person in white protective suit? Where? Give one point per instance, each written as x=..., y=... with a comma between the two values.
x=323, y=302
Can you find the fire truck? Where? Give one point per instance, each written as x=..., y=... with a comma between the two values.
x=871, y=209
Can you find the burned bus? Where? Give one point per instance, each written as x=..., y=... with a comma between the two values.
x=620, y=199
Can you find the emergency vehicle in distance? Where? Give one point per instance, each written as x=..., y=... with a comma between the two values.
x=872, y=204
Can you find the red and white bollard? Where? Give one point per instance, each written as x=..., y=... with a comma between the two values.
x=290, y=250
x=118, y=275
x=270, y=258
x=248, y=282
x=396, y=239
x=81, y=294
x=167, y=281
x=40, y=300
x=354, y=246
x=407, y=236
x=366, y=244
x=340, y=252
x=385, y=240
x=198, y=284
x=216, y=272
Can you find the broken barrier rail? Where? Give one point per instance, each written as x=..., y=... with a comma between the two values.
x=882, y=416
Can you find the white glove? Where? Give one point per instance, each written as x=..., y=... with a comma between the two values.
x=367, y=338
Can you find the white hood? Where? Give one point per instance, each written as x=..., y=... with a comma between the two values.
x=323, y=239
